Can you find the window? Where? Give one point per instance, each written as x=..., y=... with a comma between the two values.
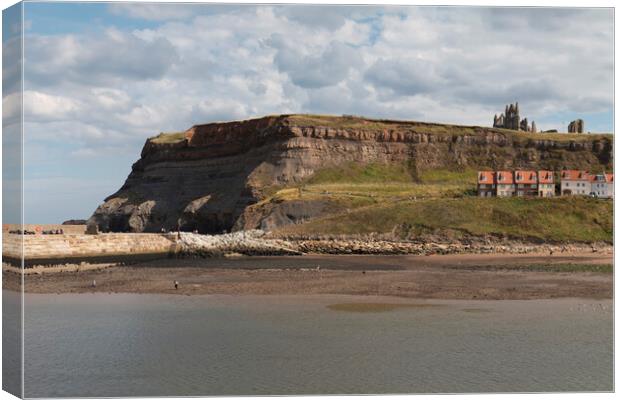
x=533, y=186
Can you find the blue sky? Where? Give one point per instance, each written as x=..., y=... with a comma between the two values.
x=100, y=78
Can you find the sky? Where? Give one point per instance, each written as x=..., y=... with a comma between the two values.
x=100, y=78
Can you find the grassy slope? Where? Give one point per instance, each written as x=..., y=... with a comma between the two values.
x=557, y=219
x=376, y=183
x=377, y=198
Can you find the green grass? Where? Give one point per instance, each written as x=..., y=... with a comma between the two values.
x=355, y=173
x=466, y=176
x=555, y=220
x=167, y=138
x=355, y=185
x=389, y=182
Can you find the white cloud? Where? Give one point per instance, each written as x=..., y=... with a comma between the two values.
x=111, y=99
x=153, y=11
x=312, y=68
x=39, y=105
x=201, y=63
x=11, y=107
x=101, y=59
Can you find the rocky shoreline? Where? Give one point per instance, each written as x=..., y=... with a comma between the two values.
x=71, y=251
x=381, y=247
x=259, y=243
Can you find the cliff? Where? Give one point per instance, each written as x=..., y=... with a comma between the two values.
x=210, y=176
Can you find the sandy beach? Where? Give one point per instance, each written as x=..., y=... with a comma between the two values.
x=464, y=276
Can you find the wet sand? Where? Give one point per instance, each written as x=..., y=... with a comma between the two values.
x=464, y=276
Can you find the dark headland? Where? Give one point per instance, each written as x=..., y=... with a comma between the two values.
x=311, y=185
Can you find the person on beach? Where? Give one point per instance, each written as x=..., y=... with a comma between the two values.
x=176, y=284
x=94, y=284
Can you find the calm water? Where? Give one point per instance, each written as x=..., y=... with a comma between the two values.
x=143, y=345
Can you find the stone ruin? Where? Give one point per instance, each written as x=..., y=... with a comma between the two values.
x=576, y=126
x=510, y=119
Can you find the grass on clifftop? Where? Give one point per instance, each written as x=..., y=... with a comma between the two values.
x=372, y=124
x=362, y=123
x=555, y=219
x=166, y=138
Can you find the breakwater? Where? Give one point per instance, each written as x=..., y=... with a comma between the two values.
x=75, y=248
x=131, y=247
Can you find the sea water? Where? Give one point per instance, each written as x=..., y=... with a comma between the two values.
x=81, y=345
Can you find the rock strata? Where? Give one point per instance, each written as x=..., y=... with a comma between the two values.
x=205, y=178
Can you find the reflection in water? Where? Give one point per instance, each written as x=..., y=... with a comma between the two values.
x=145, y=345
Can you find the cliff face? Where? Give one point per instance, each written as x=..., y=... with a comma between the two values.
x=205, y=178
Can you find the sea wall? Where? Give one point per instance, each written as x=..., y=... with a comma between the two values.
x=113, y=247
x=132, y=247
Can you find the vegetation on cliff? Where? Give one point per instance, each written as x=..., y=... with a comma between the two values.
x=313, y=173
x=358, y=122
x=165, y=138
x=364, y=199
x=371, y=124
x=555, y=219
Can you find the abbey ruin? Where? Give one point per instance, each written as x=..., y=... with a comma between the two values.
x=511, y=119
x=576, y=126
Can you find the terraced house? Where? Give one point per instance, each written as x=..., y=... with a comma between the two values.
x=575, y=182
x=516, y=183
x=602, y=185
x=527, y=183
x=505, y=184
x=486, y=184
x=546, y=184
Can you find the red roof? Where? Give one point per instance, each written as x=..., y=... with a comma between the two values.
x=545, y=176
x=574, y=175
x=609, y=178
x=505, y=177
x=526, y=177
x=486, y=177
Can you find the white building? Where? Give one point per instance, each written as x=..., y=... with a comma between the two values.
x=602, y=185
x=575, y=182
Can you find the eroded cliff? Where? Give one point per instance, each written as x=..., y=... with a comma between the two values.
x=206, y=177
